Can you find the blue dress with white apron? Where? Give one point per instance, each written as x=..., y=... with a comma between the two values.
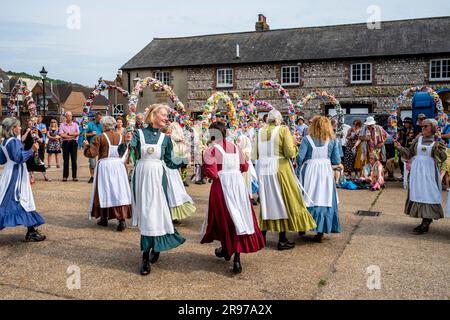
x=151, y=212
x=17, y=206
x=111, y=174
x=318, y=181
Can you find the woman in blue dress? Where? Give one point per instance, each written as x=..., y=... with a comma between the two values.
x=319, y=151
x=17, y=206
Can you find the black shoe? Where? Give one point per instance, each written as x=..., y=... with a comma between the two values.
x=220, y=253
x=91, y=180
x=301, y=234
x=176, y=222
x=34, y=236
x=286, y=245
x=198, y=183
x=146, y=267
x=154, y=257
x=202, y=182
x=237, y=267
x=318, y=238
x=422, y=229
x=254, y=202
x=186, y=184
x=102, y=223
x=122, y=226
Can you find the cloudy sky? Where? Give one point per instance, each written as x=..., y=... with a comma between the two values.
x=46, y=32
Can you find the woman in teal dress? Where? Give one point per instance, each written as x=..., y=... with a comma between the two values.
x=151, y=212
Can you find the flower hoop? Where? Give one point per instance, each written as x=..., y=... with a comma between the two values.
x=28, y=100
x=325, y=98
x=408, y=93
x=268, y=84
x=178, y=112
x=211, y=106
x=102, y=87
x=247, y=111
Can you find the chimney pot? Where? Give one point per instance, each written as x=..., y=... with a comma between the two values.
x=262, y=25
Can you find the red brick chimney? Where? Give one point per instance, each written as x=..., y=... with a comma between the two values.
x=261, y=25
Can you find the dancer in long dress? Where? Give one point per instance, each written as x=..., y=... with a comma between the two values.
x=318, y=152
x=250, y=177
x=111, y=194
x=231, y=219
x=180, y=203
x=282, y=207
x=17, y=206
x=425, y=186
x=151, y=212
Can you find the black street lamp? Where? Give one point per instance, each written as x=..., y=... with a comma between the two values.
x=44, y=76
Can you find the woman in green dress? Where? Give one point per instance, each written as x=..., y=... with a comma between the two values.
x=282, y=207
x=151, y=212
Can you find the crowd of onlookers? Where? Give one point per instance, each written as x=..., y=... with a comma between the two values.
x=65, y=139
x=369, y=155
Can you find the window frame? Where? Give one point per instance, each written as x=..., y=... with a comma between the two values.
x=114, y=109
x=162, y=73
x=283, y=83
x=441, y=69
x=224, y=85
x=352, y=66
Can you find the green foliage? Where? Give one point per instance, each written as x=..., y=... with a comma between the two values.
x=29, y=76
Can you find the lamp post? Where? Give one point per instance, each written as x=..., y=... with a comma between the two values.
x=44, y=76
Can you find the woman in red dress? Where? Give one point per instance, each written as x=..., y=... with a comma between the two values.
x=231, y=219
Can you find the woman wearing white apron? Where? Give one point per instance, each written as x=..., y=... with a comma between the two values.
x=231, y=219
x=180, y=203
x=151, y=212
x=318, y=152
x=282, y=207
x=17, y=206
x=425, y=186
x=111, y=193
x=250, y=177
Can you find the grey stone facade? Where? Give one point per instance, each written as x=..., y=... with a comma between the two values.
x=390, y=77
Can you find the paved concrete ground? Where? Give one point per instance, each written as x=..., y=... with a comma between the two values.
x=412, y=267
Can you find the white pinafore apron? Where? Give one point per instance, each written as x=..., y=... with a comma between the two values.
x=151, y=212
x=22, y=189
x=423, y=186
x=176, y=192
x=272, y=203
x=111, y=174
x=235, y=192
x=318, y=180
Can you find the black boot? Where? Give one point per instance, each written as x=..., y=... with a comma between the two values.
x=122, y=226
x=34, y=235
x=154, y=257
x=146, y=266
x=284, y=243
x=318, y=238
x=222, y=253
x=237, y=267
x=424, y=227
x=103, y=222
